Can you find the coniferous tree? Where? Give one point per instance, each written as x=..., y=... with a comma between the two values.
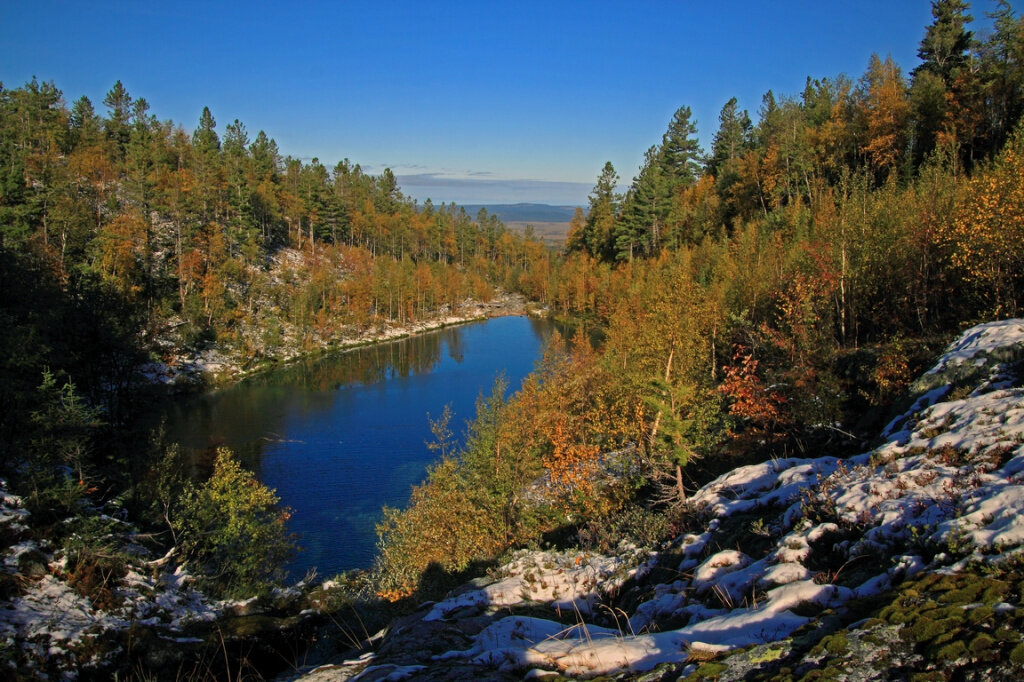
x=1002, y=74
x=681, y=155
x=731, y=140
x=644, y=210
x=603, y=211
x=119, y=103
x=939, y=83
x=730, y=143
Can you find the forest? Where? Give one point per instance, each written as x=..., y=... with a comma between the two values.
x=770, y=296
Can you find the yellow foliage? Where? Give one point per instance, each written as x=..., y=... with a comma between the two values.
x=986, y=235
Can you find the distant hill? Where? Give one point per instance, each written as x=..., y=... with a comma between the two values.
x=525, y=213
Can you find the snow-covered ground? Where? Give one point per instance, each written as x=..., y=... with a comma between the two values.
x=50, y=621
x=946, y=488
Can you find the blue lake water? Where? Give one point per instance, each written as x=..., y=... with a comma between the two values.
x=342, y=435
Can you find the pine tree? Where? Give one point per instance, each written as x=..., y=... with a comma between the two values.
x=603, y=211
x=681, y=154
x=645, y=209
x=731, y=140
x=119, y=102
x=938, y=87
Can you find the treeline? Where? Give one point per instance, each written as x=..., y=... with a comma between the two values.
x=189, y=224
x=956, y=109
x=771, y=297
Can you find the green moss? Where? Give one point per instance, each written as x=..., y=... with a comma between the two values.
x=827, y=673
x=947, y=636
x=952, y=651
x=837, y=643
x=979, y=614
x=923, y=630
x=933, y=676
x=965, y=595
x=981, y=643
x=1006, y=635
x=1017, y=656
x=898, y=615
x=873, y=639
x=942, y=583
x=710, y=670
x=995, y=592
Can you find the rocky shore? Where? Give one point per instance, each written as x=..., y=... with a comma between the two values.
x=187, y=370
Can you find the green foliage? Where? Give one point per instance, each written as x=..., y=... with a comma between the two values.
x=64, y=423
x=232, y=529
x=447, y=524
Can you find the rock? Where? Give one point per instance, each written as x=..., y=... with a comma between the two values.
x=33, y=564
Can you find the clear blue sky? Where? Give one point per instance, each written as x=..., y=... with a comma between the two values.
x=475, y=102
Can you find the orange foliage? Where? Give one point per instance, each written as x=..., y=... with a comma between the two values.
x=570, y=463
x=750, y=399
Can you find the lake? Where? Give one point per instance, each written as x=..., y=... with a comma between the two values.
x=341, y=435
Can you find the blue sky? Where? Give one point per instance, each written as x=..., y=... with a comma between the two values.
x=474, y=102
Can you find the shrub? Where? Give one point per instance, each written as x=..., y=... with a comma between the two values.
x=232, y=528
x=448, y=523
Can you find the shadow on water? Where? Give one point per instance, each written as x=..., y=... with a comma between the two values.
x=341, y=435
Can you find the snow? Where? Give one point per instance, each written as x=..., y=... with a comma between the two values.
x=568, y=580
x=951, y=473
x=519, y=642
x=982, y=339
x=48, y=619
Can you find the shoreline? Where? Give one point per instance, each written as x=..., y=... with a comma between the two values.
x=214, y=367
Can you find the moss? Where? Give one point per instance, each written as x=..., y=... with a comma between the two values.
x=827, y=673
x=995, y=592
x=1006, y=635
x=873, y=639
x=1017, y=656
x=710, y=670
x=923, y=630
x=981, y=643
x=951, y=652
x=937, y=582
x=964, y=595
x=837, y=643
x=897, y=615
x=979, y=614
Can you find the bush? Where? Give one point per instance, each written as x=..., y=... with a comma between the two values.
x=634, y=524
x=232, y=528
x=448, y=524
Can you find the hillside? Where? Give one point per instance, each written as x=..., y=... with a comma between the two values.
x=904, y=558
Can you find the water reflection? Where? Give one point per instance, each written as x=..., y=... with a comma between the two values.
x=339, y=436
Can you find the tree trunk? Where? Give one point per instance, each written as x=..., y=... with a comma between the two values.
x=657, y=418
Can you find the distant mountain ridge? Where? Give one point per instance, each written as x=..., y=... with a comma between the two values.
x=525, y=212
